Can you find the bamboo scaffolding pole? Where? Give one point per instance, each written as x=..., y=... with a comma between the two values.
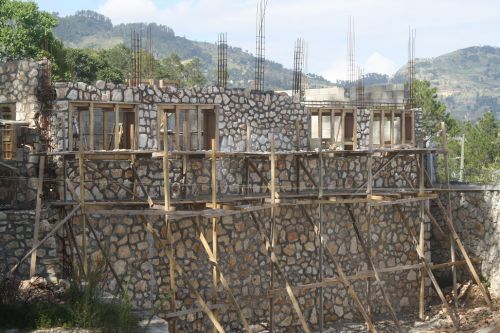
x=421, y=240
x=272, y=227
x=36, y=227
x=81, y=175
x=166, y=198
x=214, y=225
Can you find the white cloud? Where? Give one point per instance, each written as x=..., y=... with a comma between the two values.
x=377, y=63
x=127, y=11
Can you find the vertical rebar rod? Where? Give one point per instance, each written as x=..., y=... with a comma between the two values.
x=222, y=73
x=260, y=45
x=298, y=64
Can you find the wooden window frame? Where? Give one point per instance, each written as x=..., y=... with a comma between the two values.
x=404, y=115
x=176, y=110
x=334, y=138
x=8, y=132
x=115, y=108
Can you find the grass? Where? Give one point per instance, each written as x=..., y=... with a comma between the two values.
x=81, y=305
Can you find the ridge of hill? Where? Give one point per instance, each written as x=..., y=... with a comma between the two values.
x=88, y=29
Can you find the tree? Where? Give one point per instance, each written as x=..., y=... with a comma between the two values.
x=187, y=74
x=193, y=75
x=434, y=111
x=25, y=31
x=88, y=66
x=482, y=150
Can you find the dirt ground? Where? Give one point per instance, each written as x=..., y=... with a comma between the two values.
x=475, y=316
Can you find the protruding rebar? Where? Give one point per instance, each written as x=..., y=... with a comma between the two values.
x=260, y=45
x=222, y=73
x=298, y=65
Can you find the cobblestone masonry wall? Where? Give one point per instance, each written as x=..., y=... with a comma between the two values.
x=476, y=217
x=18, y=85
x=243, y=260
x=265, y=113
x=16, y=238
x=245, y=264
x=18, y=89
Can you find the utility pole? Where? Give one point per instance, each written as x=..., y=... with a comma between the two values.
x=462, y=158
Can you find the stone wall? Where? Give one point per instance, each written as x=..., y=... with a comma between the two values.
x=19, y=82
x=16, y=239
x=246, y=266
x=476, y=217
x=19, y=85
x=265, y=113
x=114, y=180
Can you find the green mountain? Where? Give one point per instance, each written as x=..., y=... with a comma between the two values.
x=468, y=80
x=88, y=29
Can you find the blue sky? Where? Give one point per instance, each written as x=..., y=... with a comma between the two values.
x=381, y=26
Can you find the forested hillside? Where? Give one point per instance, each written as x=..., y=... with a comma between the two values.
x=88, y=29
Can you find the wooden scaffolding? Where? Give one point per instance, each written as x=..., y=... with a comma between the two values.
x=218, y=206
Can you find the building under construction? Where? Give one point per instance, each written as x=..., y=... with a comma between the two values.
x=223, y=208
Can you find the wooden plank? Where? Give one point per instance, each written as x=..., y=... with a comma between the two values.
x=413, y=140
x=392, y=129
x=402, y=201
x=70, y=126
x=215, y=277
x=343, y=130
x=320, y=268
x=117, y=127
x=354, y=131
x=421, y=240
x=320, y=155
x=199, y=126
x=50, y=234
x=452, y=245
x=186, y=132
x=342, y=276
x=363, y=275
x=277, y=265
x=332, y=127
x=36, y=227
x=272, y=230
x=372, y=266
x=273, y=170
x=297, y=134
x=403, y=127
x=217, y=111
x=451, y=313
x=382, y=128
x=81, y=174
x=91, y=120
x=166, y=198
x=177, y=128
